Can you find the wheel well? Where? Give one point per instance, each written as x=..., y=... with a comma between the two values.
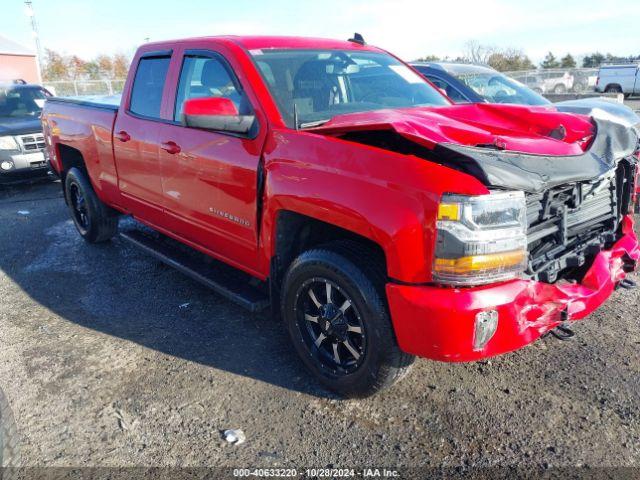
x=70, y=157
x=296, y=233
x=609, y=85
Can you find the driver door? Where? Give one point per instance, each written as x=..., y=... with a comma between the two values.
x=210, y=178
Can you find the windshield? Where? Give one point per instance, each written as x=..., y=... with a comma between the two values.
x=22, y=102
x=324, y=83
x=498, y=88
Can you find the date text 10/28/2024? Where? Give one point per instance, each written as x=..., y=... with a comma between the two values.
x=316, y=472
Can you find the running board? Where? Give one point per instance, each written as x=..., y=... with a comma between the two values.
x=229, y=282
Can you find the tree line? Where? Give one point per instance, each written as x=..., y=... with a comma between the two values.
x=109, y=67
x=512, y=59
x=71, y=67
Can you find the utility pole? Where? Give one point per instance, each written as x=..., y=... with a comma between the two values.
x=34, y=30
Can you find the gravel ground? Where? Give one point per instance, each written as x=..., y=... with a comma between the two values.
x=110, y=358
x=634, y=104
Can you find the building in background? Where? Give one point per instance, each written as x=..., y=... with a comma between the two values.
x=17, y=62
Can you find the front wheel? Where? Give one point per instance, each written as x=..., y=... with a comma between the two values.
x=334, y=309
x=94, y=220
x=560, y=88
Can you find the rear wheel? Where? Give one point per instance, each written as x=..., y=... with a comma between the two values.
x=338, y=321
x=95, y=221
x=579, y=87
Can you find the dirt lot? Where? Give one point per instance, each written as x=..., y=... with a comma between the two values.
x=111, y=359
x=634, y=104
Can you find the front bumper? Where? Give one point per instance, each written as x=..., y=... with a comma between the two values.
x=438, y=323
x=26, y=166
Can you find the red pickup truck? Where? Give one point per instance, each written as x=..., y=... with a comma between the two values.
x=377, y=219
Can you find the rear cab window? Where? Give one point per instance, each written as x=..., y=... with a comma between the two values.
x=148, y=85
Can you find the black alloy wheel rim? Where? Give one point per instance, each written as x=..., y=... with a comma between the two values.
x=79, y=206
x=331, y=326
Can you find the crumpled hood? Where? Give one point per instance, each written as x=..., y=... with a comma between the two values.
x=510, y=127
x=507, y=146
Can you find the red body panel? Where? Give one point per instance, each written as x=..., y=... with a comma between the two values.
x=387, y=197
x=90, y=132
x=203, y=188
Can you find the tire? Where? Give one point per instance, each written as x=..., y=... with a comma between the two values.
x=560, y=88
x=579, y=87
x=355, y=277
x=9, y=445
x=613, y=89
x=94, y=221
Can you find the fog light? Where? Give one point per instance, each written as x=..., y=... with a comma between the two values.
x=6, y=165
x=486, y=325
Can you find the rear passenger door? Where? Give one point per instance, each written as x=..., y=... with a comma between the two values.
x=135, y=139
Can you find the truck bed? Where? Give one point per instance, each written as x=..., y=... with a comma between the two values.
x=108, y=102
x=85, y=124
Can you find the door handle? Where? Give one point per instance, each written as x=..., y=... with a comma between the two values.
x=170, y=147
x=122, y=136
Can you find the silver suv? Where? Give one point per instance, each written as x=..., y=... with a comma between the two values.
x=619, y=79
x=21, y=139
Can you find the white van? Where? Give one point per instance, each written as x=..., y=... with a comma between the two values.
x=619, y=79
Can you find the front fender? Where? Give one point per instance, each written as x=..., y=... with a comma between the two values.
x=383, y=196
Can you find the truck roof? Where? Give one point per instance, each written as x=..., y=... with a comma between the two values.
x=254, y=42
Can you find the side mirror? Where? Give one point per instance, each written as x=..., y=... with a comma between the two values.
x=215, y=113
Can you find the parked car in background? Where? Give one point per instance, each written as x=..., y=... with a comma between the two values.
x=467, y=83
x=470, y=83
x=21, y=138
x=619, y=79
x=531, y=80
x=557, y=81
x=584, y=80
x=377, y=218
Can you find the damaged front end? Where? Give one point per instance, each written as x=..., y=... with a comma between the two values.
x=578, y=233
x=575, y=204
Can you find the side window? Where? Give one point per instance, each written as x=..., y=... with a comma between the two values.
x=437, y=82
x=451, y=92
x=146, y=95
x=204, y=76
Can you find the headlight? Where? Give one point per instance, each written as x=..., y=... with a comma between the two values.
x=481, y=239
x=8, y=143
x=6, y=165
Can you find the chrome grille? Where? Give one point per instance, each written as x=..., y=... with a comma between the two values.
x=31, y=143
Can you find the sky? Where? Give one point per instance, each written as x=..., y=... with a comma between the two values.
x=408, y=28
